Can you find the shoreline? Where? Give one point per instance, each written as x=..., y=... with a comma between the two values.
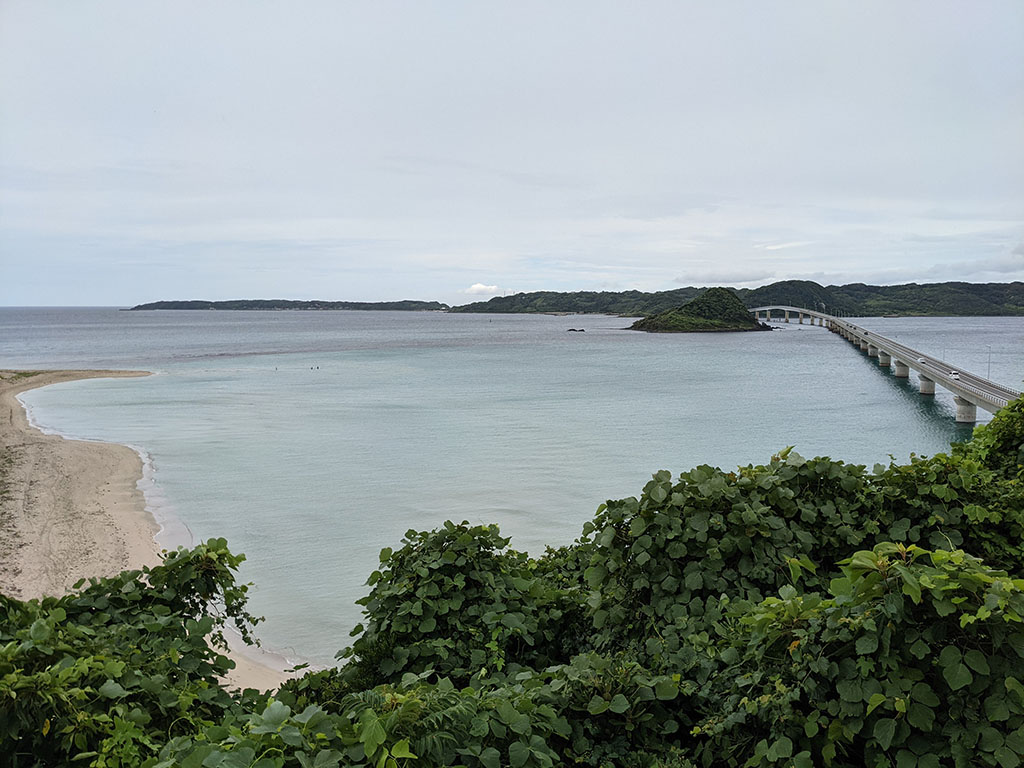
x=72, y=509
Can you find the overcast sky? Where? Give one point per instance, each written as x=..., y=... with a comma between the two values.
x=456, y=150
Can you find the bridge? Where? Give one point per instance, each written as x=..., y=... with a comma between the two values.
x=970, y=391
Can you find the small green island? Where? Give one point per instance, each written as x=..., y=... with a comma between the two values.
x=717, y=309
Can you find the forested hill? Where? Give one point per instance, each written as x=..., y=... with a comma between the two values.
x=854, y=299
x=270, y=304
x=629, y=303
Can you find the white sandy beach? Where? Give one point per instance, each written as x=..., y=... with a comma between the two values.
x=73, y=509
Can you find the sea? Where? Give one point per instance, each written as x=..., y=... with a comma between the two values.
x=312, y=440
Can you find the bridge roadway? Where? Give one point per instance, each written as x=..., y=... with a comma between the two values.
x=970, y=391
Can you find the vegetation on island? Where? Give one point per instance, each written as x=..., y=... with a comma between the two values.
x=272, y=304
x=803, y=612
x=624, y=303
x=857, y=299
x=717, y=309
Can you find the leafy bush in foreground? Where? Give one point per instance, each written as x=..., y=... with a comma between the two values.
x=123, y=664
x=800, y=613
x=414, y=721
x=913, y=659
x=457, y=602
x=660, y=565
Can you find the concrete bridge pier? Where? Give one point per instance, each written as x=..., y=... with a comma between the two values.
x=900, y=370
x=872, y=350
x=926, y=386
x=863, y=345
x=883, y=359
x=966, y=411
x=800, y=315
x=787, y=317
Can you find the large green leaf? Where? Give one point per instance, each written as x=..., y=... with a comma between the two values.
x=884, y=731
x=957, y=675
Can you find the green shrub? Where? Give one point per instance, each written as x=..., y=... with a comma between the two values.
x=661, y=565
x=412, y=723
x=106, y=674
x=793, y=614
x=913, y=659
x=456, y=602
x=1000, y=443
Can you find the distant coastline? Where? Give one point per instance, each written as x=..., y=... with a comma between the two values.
x=287, y=304
x=953, y=299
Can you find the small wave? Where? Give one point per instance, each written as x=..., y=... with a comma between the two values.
x=172, y=531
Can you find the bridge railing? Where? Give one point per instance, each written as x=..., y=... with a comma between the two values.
x=913, y=354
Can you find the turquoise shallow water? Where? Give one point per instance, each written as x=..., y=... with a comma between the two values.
x=311, y=440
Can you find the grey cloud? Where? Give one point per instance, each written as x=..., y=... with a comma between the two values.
x=388, y=148
x=979, y=268
x=431, y=166
x=725, y=277
x=985, y=270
